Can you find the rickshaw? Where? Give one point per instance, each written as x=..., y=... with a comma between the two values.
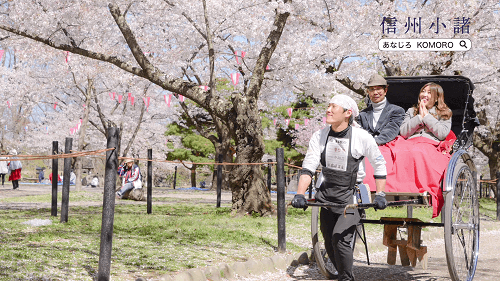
x=460, y=213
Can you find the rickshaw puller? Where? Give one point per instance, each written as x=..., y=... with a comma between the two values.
x=340, y=148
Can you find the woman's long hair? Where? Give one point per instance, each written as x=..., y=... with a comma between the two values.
x=437, y=94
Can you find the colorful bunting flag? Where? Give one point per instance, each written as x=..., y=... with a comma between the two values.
x=204, y=88
x=1, y=54
x=120, y=98
x=238, y=54
x=267, y=67
x=8, y=104
x=132, y=100
x=296, y=126
x=289, y=110
x=306, y=121
x=181, y=98
x=274, y=122
x=67, y=56
x=235, y=77
x=112, y=95
x=287, y=122
x=129, y=96
x=168, y=99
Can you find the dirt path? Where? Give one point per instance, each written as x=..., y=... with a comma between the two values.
x=378, y=270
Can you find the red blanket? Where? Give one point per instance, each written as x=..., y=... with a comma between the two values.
x=415, y=165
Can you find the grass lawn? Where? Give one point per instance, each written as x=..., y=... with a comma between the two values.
x=174, y=238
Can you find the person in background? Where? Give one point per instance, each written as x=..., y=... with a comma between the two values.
x=15, y=167
x=95, y=181
x=58, y=178
x=131, y=175
x=41, y=175
x=3, y=167
x=72, y=177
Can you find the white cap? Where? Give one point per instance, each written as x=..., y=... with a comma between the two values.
x=348, y=103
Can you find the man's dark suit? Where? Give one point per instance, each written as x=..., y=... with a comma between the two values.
x=388, y=124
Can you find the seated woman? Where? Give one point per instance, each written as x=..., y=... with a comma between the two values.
x=420, y=157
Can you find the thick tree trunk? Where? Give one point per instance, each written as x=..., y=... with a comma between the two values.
x=193, y=175
x=485, y=145
x=248, y=186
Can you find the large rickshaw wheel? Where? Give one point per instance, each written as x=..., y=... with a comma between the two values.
x=322, y=260
x=461, y=224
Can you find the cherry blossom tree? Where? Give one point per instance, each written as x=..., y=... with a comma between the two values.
x=318, y=47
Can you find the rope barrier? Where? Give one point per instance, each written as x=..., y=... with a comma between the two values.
x=53, y=156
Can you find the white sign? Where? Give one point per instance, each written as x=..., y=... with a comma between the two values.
x=440, y=45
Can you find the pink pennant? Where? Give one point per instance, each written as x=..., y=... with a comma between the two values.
x=287, y=122
x=8, y=104
x=1, y=54
x=132, y=100
x=289, y=110
x=296, y=126
x=72, y=131
x=120, y=98
x=129, y=96
x=55, y=105
x=235, y=77
x=67, y=56
x=112, y=96
x=168, y=99
x=267, y=67
x=274, y=122
x=81, y=121
x=146, y=101
x=181, y=98
x=149, y=99
x=239, y=54
x=204, y=88
x=324, y=120
x=306, y=121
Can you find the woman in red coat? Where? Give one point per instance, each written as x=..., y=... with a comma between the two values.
x=15, y=167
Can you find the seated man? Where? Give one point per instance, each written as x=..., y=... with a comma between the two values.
x=381, y=119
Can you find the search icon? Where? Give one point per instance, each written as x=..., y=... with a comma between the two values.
x=463, y=44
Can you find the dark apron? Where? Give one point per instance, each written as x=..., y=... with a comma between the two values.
x=340, y=170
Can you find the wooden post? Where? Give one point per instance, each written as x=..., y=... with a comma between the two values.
x=480, y=186
x=409, y=211
x=219, y=180
x=175, y=176
x=269, y=175
x=55, y=149
x=108, y=209
x=150, y=180
x=498, y=193
x=66, y=178
x=280, y=177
